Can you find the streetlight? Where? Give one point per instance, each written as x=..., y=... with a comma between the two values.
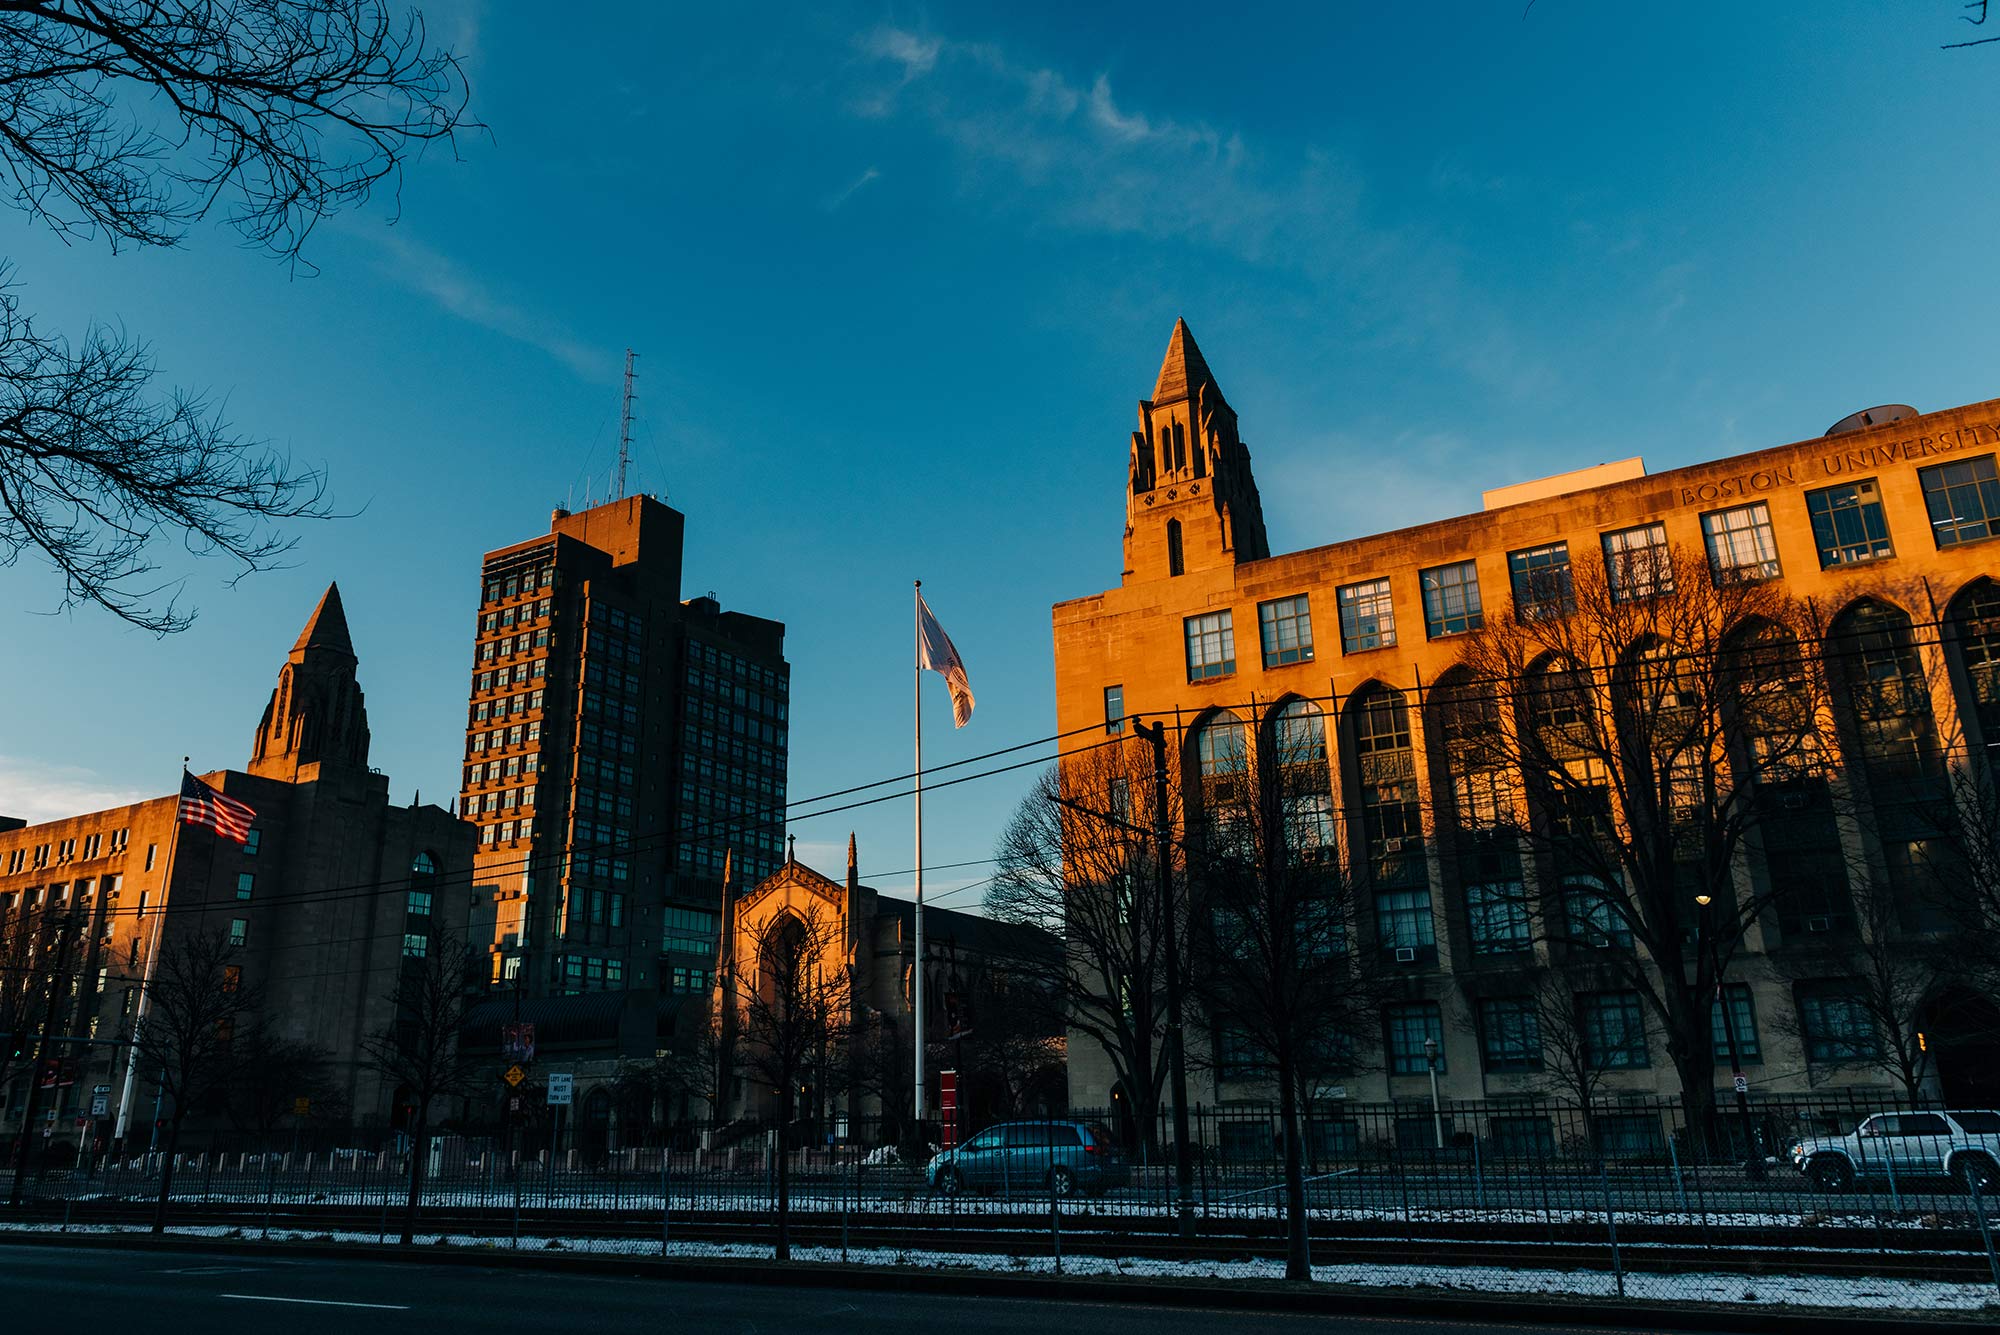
x=1437, y=1118
x=1753, y=1162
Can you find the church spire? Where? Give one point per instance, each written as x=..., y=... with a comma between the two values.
x=316, y=715
x=1192, y=503
x=1183, y=370
x=327, y=627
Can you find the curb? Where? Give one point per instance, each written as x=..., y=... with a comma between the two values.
x=1264, y=1296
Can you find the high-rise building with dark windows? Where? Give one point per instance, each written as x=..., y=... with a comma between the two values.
x=619, y=744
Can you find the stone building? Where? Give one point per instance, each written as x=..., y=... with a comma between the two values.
x=1881, y=526
x=871, y=937
x=336, y=888
x=618, y=740
x=703, y=1080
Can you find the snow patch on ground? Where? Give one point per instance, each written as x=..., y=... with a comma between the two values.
x=1815, y=1291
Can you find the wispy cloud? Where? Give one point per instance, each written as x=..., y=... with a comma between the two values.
x=1096, y=165
x=446, y=283
x=36, y=791
x=834, y=202
x=1065, y=151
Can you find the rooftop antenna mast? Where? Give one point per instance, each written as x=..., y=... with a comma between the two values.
x=625, y=423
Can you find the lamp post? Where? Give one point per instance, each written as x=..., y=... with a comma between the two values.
x=1437, y=1117
x=1753, y=1162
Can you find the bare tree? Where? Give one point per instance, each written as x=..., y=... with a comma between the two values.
x=1575, y=1055
x=1883, y=977
x=419, y=1052
x=792, y=1024
x=27, y=955
x=39, y=966
x=1077, y=865
x=272, y=1074
x=880, y=1065
x=1005, y=1037
x=1976, y=15
x=196, y=1004
x=129, y=121
x=685, y=1072
x=1665, y=722
x=1273, y=917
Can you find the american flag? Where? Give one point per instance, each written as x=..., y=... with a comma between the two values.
x=203, y=805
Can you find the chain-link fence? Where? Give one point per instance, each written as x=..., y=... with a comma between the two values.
x=1624, y=1197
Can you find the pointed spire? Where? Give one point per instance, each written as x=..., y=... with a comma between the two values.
x=853, y=864
x=1183, y=368
x=327, y=627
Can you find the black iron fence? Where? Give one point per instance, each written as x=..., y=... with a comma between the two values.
x=1619, y=1194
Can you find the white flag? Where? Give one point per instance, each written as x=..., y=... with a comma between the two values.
x=936, y=652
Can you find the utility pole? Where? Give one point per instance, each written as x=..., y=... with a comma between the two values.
x=1163, y=836
x=65, y=928
x=625, y=423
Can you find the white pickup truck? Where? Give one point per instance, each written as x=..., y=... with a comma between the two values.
x=1960, y=1146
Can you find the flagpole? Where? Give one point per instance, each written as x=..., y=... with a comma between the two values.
x=146, y=981
x=917, y=972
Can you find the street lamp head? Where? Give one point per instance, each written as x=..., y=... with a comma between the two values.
x=1430, y=1047
x=1702, y=900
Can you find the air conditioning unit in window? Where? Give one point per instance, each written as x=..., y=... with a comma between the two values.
x=1819, y=924
x=1405, y=955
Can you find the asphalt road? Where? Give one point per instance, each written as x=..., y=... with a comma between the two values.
x=56, y=1288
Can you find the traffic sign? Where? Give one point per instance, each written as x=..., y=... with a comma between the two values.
x=514, y=1075
x=1742, y=1084
x=100, y=1105
x=562, y=1088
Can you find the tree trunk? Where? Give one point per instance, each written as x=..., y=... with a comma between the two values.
x=167, y=1171
x=419, y=1144
x=1697, y=1078
x=1298, y=1244
x=784, y=1247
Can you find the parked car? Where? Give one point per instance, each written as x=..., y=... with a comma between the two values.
x=1961, y=1146
x=1032, y=1158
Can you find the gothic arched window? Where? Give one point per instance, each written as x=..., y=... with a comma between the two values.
x=1392, y=821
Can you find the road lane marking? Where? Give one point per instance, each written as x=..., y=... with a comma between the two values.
x=312, y=1302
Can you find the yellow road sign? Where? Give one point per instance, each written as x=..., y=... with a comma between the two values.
x=514, y=1076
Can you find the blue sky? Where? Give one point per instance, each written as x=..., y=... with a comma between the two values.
x=898, y=274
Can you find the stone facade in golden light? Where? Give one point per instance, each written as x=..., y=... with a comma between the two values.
x=1204, y=619
x=337, y=889
x=871, y=937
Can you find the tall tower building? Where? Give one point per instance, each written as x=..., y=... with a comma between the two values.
x=619, y=743
x=1190, y=502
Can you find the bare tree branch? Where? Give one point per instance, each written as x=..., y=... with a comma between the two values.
x=129, y=121
x=420, y=1052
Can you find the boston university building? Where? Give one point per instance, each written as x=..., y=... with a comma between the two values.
x=1885, y=518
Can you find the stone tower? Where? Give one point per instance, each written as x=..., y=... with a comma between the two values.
x=316, y=715
x=1192, y=503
